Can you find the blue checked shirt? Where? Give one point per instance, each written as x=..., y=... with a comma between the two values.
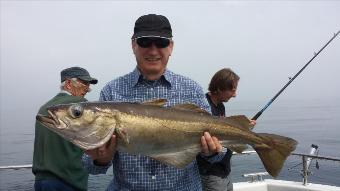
x=136, y=172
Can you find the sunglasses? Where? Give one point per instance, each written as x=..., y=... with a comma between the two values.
x=147, y=42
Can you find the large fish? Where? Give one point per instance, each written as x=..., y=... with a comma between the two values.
x=169, y=135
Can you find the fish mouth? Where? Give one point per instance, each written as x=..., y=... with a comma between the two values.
x=50, y=120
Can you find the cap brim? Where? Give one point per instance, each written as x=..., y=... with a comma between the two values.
x=151, y=34
x=89, y=79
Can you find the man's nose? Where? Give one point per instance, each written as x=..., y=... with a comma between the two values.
x=153, y=46
x=87, y=88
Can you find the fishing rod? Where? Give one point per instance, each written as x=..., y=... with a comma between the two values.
x=258, y=114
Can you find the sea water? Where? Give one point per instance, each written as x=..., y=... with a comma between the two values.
x=308, y=122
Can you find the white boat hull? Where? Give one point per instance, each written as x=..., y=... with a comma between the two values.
x=281, y=185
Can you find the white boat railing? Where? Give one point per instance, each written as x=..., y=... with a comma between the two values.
x=306, y=159
x=27, y=166
x=16, y=167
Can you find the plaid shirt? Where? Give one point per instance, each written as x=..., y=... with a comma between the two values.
x=136, y=172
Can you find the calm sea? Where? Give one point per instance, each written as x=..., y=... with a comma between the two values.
x=308, y=122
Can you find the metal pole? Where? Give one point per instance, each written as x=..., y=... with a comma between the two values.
x=304, y=170
x=313, y=151
x=16, y=167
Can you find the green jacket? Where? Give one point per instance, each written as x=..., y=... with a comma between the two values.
x=55, y=157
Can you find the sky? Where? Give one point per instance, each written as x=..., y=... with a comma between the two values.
x=264, y=42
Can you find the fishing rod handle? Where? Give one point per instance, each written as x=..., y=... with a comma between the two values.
x=257, y=115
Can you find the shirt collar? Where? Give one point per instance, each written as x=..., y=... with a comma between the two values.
x=135, y=76
x=167, y=76
x=65, y=92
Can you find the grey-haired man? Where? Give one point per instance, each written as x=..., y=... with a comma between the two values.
x=57, y=162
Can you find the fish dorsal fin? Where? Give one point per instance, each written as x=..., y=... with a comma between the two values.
x=155, y=102
x=190, y=107
x=178, y=159
x=239, y=121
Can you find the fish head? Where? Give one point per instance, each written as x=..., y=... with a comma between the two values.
x=87, y=125
x=67, y=117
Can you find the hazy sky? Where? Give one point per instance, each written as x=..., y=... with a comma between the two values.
x=265, y=42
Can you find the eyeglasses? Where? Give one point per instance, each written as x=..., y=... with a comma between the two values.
x=83, y=83
x=146, y=42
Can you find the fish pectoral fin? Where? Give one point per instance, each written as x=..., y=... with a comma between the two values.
x=120, y=132
x=239, y=121
x=123, y=135
x=190, y=107
x=93, y=140
x=178, y=159
x=155, y=102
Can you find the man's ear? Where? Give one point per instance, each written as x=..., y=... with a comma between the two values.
x=68, y=84
x=134, y=46
x=171, y=46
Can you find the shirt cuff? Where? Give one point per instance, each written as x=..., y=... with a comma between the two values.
x=92, y=168
x=217, y=157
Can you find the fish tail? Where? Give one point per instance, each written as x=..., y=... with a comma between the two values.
x=274, y=151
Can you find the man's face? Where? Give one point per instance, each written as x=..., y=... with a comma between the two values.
x=78, y=87
x=151, y=55
x=225, y=95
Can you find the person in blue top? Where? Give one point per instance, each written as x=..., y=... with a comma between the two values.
x=152, y=45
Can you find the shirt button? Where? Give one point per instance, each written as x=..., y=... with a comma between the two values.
x=153, y=177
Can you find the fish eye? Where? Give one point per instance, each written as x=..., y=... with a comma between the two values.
x=76, y=111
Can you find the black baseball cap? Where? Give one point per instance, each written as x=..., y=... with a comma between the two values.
x=152, y=25
x=77, y=72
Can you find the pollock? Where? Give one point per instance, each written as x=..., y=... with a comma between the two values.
x=170, y=135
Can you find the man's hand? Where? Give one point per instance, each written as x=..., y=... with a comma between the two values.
x=104, y=154
x=252, y=123
x=210, y=145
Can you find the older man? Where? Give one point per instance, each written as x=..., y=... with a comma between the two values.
x=57, y=162
x=152, y=45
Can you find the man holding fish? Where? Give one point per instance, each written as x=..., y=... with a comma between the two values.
x=152, y=147
x=152, y=45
